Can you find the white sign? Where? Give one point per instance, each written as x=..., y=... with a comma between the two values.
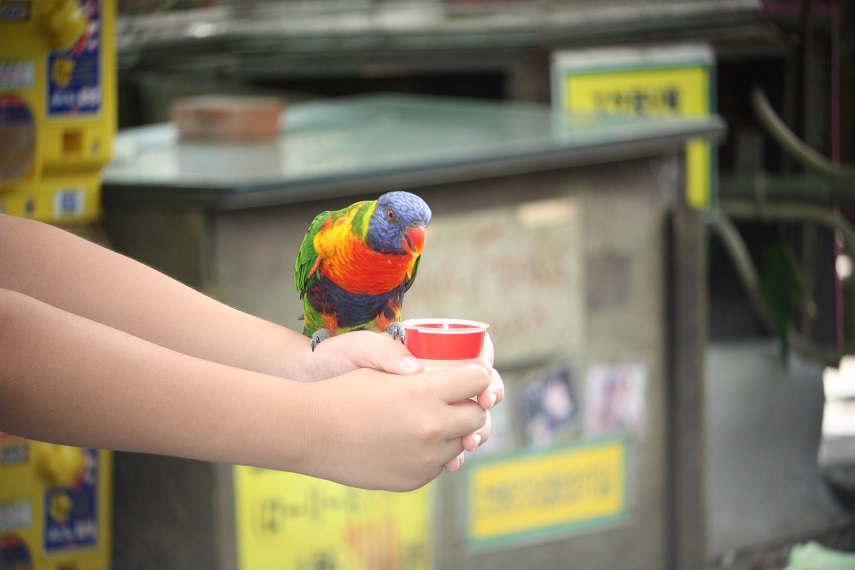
x=17, y=74
x=518, y=268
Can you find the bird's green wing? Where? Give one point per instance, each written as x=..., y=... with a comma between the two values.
x=409, y=282
x=307, y=258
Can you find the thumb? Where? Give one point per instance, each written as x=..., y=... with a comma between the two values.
x=365, y=349
x=390, y=355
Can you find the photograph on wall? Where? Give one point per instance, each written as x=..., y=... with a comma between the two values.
x=549, y=404
x=616, y=399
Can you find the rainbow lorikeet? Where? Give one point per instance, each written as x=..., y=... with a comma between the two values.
x=355, y=265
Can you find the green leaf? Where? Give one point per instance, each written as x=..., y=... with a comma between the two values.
x=782, y=287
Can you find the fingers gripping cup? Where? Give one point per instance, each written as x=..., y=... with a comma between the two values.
x=444, y=342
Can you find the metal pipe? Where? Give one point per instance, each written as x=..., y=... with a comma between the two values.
x=786, y=212
x=765, y=187
x=810, y=159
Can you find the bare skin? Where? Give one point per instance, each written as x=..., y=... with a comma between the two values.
x=101, y=351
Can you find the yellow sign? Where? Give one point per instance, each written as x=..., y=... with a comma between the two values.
x=656, y=82
x=541, y=493
x=287, y=521
x=678, y=91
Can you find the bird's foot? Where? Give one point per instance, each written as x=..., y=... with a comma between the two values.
x=318, y=336
x=396, y=329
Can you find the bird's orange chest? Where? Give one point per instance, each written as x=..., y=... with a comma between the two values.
x=348, y=262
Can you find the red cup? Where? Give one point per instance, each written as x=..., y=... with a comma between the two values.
x=444, y=339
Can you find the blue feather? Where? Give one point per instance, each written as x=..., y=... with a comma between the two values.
x=385, y=232
x=352, y=309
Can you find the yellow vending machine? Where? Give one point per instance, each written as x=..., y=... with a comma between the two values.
x=57, y=106
x=55, y=506
x=57, y=123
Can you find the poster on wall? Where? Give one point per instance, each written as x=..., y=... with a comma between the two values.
x=521, y=271
x=287, y=521
x=616, y=399
x=548, y=404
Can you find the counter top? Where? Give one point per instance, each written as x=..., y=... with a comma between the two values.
x=374, y=143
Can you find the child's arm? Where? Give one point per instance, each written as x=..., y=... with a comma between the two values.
x=83, y=278
x=72, y=380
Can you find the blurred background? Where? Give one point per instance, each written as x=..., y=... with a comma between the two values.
x=648, y=200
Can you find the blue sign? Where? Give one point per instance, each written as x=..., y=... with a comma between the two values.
x=74, y=75
x=71, y=513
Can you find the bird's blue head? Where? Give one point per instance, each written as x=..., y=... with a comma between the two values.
x=398, y=224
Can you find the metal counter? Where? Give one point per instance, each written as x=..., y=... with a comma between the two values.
x=343, y=147
x=567, y=234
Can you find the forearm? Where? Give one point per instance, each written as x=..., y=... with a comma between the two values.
x=70, y=380
x=91, y=281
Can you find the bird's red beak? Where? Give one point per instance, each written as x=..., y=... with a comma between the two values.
x=414, y=240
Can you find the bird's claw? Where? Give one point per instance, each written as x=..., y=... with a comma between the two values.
x=318, y=336
x=396, y=329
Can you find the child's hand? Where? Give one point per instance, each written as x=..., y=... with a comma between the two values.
x=376, y=430
x=358, y=349
x=362, y=349
x=494, y=394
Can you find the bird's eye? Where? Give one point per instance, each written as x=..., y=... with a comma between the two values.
x=391, y=215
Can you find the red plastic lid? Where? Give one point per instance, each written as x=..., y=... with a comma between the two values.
x=444, y=339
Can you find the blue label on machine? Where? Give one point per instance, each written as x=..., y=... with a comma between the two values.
x=71, y=513
x=74, y=75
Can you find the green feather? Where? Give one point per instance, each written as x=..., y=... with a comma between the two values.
x=308, y=257
x=409, y=282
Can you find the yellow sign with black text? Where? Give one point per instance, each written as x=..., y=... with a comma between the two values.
x=291, y=522
x=536, y=494
x=656, y=82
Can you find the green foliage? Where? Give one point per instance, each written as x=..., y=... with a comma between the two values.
x=782, y=288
